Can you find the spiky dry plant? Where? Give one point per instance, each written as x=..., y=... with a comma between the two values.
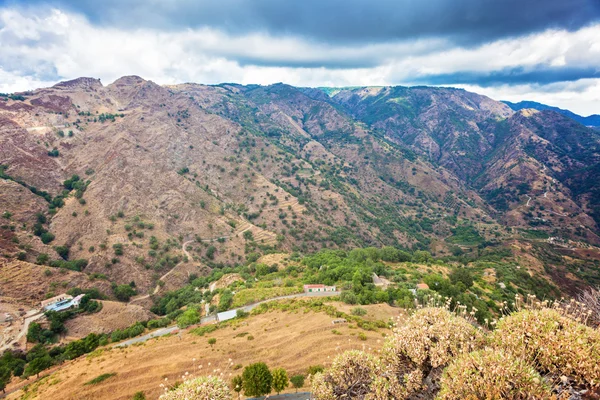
x=553, y=343
x=350, y=376
x=492, y=374
x=591, y=299
x=421, y=348
x=202, y=388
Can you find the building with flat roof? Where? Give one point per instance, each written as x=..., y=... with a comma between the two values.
x=62, y=302
x=318, y=288
x=56, y=299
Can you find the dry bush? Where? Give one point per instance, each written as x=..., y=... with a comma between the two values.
x=353, y=375
x=552, y=343
x=418, y=351
x=203, y=388
x=492, y=374
x=590, y=298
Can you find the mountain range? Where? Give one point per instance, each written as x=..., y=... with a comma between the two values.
x=591, y=120
x=134, y=178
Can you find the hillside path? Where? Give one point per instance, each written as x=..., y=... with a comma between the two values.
x=161, y=279
x=28, y=320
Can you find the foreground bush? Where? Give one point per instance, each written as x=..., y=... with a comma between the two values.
x=552, y=343
x=491, y=374
x=203, y=388
x=425, y=344
x=351, y=376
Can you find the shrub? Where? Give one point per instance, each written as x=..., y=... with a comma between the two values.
x=139, y=396
x=353, y=375
x=118, y=249
x=212, y=341
x=491, y=374
x=359, y=311
x=47, y=237
x=205, y=387
x=101, y=378
x=62, y=251
x=553, y=343
x=426, y=343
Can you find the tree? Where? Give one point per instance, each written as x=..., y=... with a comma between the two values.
x=462, y=275
x=189, y=317
x=37, y=365
x=5, y=375
x=123, y=292
x=257, y=380
x=280, y=379
x=248, y=235
x=210, y=252
x=236, y=384
x=34, y=332
x=297, y=381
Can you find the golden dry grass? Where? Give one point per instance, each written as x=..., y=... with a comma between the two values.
x=288, y=340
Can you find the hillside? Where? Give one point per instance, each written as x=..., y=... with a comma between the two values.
x=147, y=184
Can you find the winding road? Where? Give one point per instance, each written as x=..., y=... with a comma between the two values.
x=222, y=316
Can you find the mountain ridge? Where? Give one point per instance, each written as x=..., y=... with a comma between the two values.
x=249, y=169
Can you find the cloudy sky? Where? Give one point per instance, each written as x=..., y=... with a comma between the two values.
x=541, y=50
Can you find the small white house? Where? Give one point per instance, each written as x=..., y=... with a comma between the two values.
x=318, y=288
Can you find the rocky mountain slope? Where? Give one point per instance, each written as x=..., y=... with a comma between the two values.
x=144, y=181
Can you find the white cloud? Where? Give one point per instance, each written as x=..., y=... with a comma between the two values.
x=40, y=48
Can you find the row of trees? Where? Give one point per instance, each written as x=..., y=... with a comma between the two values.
x=258, y=380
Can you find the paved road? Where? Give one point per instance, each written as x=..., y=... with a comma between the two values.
x=222, y=316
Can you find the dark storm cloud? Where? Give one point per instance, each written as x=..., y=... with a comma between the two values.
x=541, y=75
x=343, y=21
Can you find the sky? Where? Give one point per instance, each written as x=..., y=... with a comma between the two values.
x=540, y=50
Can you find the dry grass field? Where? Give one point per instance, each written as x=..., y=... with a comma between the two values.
x=293, y=341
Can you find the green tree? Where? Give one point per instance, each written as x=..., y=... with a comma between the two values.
x=123, y=292
x=257, y=380
x=210, y=252
x=37, y=365
x=34, y=332
x=462, y=275
x=297, y=381
x=5, y=375
x=189, y=317
x=237, y=384
x=280, y=379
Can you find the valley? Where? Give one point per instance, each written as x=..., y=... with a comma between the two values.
x=165, y=205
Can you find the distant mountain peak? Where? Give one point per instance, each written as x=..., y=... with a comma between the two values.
x=591, y=120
